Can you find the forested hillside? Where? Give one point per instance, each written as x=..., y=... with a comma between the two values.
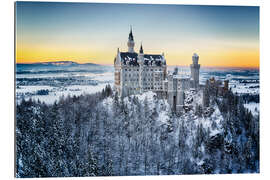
x=102, y=135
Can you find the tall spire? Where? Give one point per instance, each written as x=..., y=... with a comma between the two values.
x=130, y=42
x=130, y=37
x=141, y=49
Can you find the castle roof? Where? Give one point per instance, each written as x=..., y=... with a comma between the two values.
x=130, y=36
x=141, y=49
x=152, y=59
x=129, y=58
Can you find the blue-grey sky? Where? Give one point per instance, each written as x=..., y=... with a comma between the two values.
x=91, y=32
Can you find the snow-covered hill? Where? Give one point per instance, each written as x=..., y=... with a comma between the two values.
x=189, y=121
x=102, y=135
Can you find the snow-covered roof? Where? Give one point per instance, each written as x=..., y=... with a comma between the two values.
x=129, y=58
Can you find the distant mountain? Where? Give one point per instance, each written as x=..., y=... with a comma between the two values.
x=92, y=64
x=58, y=63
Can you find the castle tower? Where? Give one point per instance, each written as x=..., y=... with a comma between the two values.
x=130, y=42
x=141, y=49
x=195, y=70
x=141, y=56
x=118, y=73
x=180, y=100
x=140, y=61
x=206, y=96
x=226, y=85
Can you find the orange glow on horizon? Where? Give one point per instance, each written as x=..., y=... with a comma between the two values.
x=243, y=59
x=247, y=58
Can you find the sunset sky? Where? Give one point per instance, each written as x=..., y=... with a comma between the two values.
x=92, y=32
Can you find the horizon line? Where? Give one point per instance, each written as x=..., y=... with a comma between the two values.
x=239, y=67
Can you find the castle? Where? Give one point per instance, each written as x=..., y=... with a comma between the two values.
x=136, y=73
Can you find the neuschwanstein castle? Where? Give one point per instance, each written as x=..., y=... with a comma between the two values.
x=139, y=72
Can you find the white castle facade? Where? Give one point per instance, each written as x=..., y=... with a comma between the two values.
x=136, y=73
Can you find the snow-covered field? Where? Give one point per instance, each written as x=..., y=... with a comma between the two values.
x=56, y=92
x=254, y=108
x=61, y=82
x=65, y=81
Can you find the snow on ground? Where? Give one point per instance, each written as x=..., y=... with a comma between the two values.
x=104, y=77
x=163, y=117
x=193, y=98
x=141, y=97
x=253, y=107
x=56, y=92
x=215, y=132
x=153, y=102
x=242, y=88
x=161, y=105
x=32, y=89
x=217, y=119
x=213, y=123
x=109, y=104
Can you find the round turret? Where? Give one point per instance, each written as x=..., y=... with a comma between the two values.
x=195, y=58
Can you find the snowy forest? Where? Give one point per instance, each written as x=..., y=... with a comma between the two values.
x=103, y=135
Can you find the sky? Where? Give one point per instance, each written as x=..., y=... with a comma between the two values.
x=226, y=36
